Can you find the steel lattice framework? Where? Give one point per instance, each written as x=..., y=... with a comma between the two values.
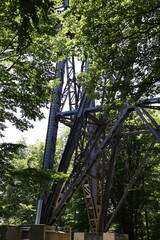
x=92, y=148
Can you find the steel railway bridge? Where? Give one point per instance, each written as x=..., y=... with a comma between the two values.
x=92, y=148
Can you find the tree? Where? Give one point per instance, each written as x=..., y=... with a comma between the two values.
x=22, y=180
x=26, y=60
x=136, y=215
x=121, y=39
x=75, y=214
x=22, y=19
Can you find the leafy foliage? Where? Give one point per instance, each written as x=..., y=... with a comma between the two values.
x=22, y=180
x=24, y=17
x=75, y=215
x=138, y=216
x=122, y=40
x=26, y=60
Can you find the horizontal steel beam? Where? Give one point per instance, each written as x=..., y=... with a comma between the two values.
x=74, y=112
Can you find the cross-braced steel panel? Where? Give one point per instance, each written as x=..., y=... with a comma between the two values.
x=92, y=148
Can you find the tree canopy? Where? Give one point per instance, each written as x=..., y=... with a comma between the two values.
x=26, y=60
x=21, y=181
x=120, y=40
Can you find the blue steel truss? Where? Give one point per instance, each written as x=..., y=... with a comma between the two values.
x=91, y=150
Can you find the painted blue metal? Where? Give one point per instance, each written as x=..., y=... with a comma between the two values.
x=53, y=121
x=91, y=149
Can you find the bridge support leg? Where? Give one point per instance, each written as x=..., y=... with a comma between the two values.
x=100, y=236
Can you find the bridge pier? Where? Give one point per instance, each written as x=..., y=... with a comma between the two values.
x=100, y=236
x=34, y=232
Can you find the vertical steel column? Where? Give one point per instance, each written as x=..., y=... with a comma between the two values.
x=51, y=199
x=51, y=133
x=53, y=121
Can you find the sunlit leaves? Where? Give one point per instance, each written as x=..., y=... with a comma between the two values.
x=27, y=65
x=122, y=38
x=21, y=181
x=25, y=17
